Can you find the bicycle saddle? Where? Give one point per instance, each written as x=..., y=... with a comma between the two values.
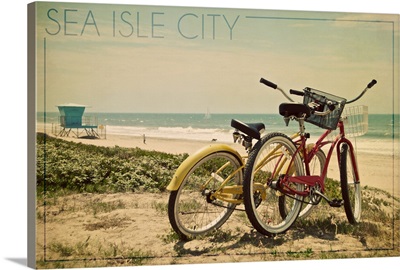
x=294, y=109
x=251, y=129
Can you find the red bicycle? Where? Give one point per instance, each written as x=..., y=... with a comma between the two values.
x=280, y=181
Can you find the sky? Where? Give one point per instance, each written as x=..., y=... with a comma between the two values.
x=126, y=58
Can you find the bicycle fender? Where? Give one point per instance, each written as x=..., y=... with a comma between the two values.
x=188, y=163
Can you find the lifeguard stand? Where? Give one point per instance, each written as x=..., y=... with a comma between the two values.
x=72, y=119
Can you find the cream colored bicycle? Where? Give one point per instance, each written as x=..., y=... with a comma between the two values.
x=207, y=186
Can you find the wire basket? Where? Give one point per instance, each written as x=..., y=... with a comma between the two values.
x=319, y=100
x=355, y=120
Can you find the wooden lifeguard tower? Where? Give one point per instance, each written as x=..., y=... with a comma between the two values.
x=71, y=119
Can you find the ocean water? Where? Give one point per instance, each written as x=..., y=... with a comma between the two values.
x=216, y=126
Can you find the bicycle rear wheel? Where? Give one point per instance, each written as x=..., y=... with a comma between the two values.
x=272, y=157
x=351, y=190
x=192, y=210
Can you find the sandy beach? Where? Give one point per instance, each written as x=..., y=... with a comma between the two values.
x=378, y=169
x=77, y=228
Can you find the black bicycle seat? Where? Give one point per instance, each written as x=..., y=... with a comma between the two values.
x=251, y=129
x=294, y=109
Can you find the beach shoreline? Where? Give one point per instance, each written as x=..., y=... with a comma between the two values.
x=377, y=169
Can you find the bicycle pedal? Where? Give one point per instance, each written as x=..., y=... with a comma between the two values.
x=336, y=203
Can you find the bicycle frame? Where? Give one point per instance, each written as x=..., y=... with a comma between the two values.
x=308, y=154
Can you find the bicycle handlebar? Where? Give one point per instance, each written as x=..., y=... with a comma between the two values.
x=300, y=93
x=275, y=86
x=372, y=83
x=268, y=83
x=296, y=92
x=369, y=86
x=331, y=107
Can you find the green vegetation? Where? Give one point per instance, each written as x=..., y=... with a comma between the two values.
x=77, y=167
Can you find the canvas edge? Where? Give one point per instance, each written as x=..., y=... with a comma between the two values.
x=31, y=136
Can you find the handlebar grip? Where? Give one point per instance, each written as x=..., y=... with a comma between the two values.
x=372, y=83
x=268, y=83
x=296, y=92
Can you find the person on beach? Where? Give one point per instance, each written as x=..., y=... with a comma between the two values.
x=144, y=138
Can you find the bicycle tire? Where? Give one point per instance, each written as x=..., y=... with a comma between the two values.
x=191, y=210
x=351, y=190
x=264, y=213
x=316, y=167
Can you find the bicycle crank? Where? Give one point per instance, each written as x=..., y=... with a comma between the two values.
x=333, y=202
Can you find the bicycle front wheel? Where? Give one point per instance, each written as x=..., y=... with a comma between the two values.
x=351, y=190
x=272, y=158
x=193, y=209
